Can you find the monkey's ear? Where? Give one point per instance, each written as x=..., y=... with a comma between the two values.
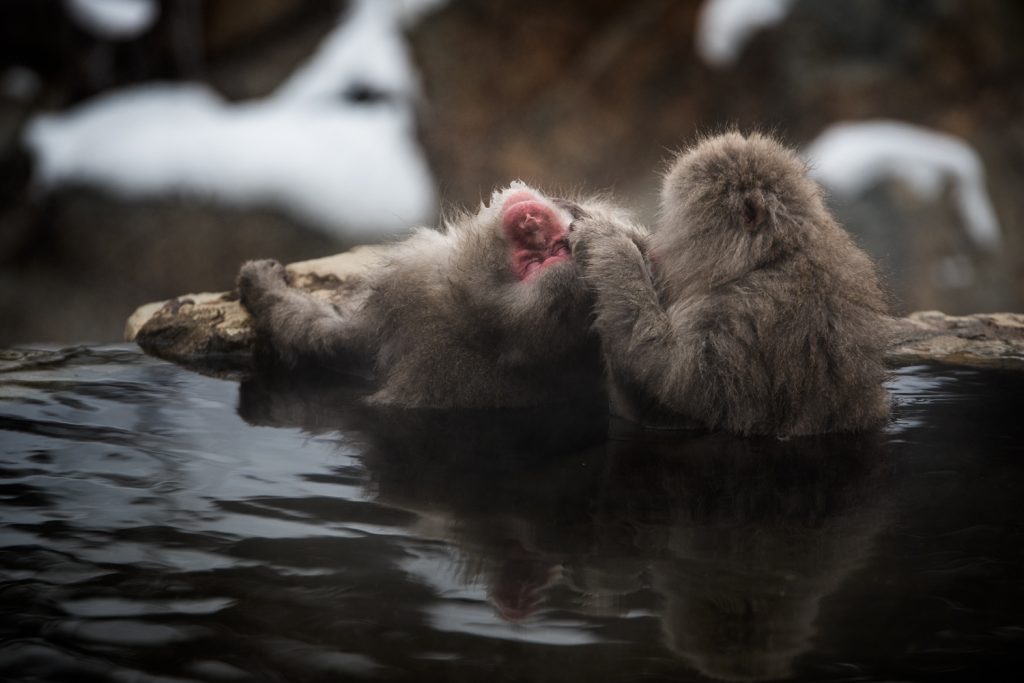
x=753, y=213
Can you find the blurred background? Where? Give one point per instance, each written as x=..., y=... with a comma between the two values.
x=147, y=147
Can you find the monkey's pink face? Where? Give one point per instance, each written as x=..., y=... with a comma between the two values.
x=537, y=231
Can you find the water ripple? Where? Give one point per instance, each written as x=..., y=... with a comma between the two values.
x=151, y=532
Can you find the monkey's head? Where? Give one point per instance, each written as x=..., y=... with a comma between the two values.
x=536, y=229
x=733, y=202
x=514, y=266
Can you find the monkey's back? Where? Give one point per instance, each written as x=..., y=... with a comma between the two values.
x=805, y=355
x=785, y=312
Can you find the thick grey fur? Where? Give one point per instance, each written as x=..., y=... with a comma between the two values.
x=755, y=311
x=446, y=324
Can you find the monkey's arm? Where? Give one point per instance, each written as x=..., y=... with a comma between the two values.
x=640, y=342
x=296, y=326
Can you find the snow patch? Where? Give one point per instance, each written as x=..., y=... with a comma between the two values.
x=725, y=26
x=114, y=19
x=353, y=169
x=367, y=50
x=411, y=11
x=850, y=158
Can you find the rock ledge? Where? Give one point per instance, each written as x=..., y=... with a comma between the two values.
x=212, y=330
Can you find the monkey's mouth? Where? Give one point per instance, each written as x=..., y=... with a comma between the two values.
x=537, y=234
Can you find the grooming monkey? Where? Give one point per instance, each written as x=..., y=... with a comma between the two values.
x=488, y=312
x=752, y=310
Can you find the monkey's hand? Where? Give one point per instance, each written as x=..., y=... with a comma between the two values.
x=597, y=240
x=257, y=279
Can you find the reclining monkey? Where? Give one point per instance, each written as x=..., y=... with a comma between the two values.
x=490, y=311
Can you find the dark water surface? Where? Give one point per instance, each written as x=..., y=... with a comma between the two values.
x=158, y=525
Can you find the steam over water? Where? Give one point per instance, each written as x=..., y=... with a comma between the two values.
x=159, y=525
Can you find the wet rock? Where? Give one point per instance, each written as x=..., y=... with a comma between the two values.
x=992, y=339
x=213, y=331
x=196, y=329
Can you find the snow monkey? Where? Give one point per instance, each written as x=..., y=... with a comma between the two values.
x=489, y=311
x=752, y=311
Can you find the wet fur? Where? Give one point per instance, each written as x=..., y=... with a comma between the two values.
x=756, y=312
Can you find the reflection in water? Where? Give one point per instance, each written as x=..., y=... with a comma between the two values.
x=484, y=480
x=741, y=538
x=752, y=535
x=159, y=525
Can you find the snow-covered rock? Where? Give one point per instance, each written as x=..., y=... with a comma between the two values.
x=351, y=168
x=114, y=19
x=851, y=157
x=725, y=26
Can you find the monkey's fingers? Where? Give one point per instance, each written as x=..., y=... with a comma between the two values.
x=575, y=210
x=579, y=241
x=255, y=278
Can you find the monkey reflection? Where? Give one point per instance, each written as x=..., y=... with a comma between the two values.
x=747, y=309
x=752, y=535
x=490, y=311
x=481, y=479
x=733, y=542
